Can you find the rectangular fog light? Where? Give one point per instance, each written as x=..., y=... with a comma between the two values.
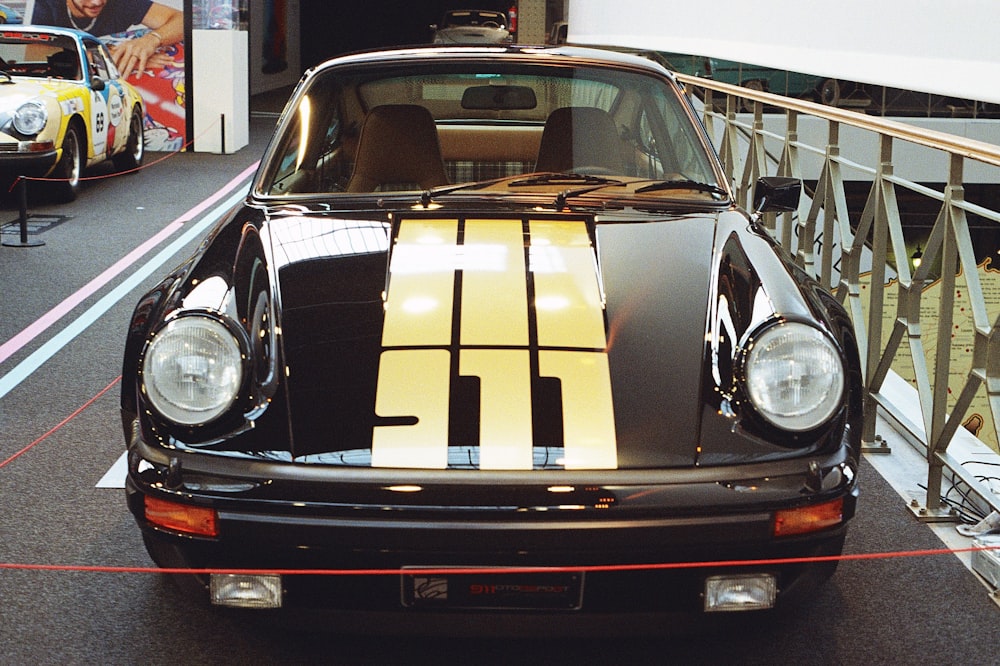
x=246, y=590
x=740, y=592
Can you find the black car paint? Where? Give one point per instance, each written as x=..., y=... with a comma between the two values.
x=330, y=312
x=699, y=475
x=710, y=479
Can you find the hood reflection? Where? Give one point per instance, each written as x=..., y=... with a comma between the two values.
x=303, y=238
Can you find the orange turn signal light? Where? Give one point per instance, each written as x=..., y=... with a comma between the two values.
x=182, y=517
x=810, y=518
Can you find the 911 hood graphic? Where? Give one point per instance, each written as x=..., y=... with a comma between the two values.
x=469, y=302
x=484, y=343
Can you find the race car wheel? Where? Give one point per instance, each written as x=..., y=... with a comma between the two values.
x=65, y=183
x=132, y=156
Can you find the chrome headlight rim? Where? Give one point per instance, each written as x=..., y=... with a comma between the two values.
x=176, y=410
x=822, y=407
x=31, y=117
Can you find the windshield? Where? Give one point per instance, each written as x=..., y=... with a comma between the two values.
x=419, y=128
x=40, y=55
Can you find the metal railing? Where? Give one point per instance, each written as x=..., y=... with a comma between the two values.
x=823, y=241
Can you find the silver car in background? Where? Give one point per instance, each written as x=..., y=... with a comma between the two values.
x=472, y=26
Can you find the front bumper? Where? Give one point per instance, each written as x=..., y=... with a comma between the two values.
x=27, y=159
x=611, y=524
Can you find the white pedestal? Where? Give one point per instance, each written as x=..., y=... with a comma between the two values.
x=221, y=90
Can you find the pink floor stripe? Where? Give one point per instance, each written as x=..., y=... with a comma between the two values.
x=10, y=347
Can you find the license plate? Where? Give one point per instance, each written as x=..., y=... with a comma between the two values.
x=493, y=591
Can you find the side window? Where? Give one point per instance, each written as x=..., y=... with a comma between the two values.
x=313, y=157
x=668, y=142
x=98, y=64
x=649, y=163
x=284, y=179
x=109, y=62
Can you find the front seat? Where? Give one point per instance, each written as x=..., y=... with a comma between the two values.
x=64, y=65
x=578, y=137
x=398, y=150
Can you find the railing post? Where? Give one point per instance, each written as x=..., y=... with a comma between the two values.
x=729, y=151
x=788, y=166
x=942, y=362
x=881, y=215
x=956, y=256
x=708, y=119
x=824, y=200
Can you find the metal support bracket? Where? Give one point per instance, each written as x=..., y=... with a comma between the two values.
x=926, y=515
x=878, y=446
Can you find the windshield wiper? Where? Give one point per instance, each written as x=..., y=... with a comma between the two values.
x=593, y=183
x=427, y=196
x=589, y=182
x=684, y=184
x=564, y=179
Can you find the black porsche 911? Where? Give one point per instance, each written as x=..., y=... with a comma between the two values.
x=491, y=334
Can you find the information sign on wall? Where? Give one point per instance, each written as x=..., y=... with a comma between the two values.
x=979, y=419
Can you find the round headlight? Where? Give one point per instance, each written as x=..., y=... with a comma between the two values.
x=30, y=117
x=192, y=370
x=794, y=376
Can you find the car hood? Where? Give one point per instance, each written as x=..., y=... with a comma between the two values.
x=488, y=341
x=20, y=90
x=502, y=341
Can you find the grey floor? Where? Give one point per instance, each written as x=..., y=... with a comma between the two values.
x=59, y=434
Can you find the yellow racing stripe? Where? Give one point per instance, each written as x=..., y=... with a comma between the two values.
x=413, y=382
x=419, y=302
x=494, y=295
x=418, y=369
x=588, y=417
x=568, y=304
x=505, y=406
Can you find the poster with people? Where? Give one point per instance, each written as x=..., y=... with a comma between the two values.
x=146, y=40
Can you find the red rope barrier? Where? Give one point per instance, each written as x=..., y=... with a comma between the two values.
x=147, y=165
x=500, y=570
x=450, y=571
x=62, y=423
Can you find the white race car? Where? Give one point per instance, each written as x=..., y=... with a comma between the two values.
x=63, y=107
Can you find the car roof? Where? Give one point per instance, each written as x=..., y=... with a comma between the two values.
x=45, y=29
x=481, y=12
x=539, y=54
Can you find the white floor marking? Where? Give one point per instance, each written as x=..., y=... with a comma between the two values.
x=115, y=477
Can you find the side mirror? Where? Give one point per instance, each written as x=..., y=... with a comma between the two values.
x=96, y=83
x=775, y=194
